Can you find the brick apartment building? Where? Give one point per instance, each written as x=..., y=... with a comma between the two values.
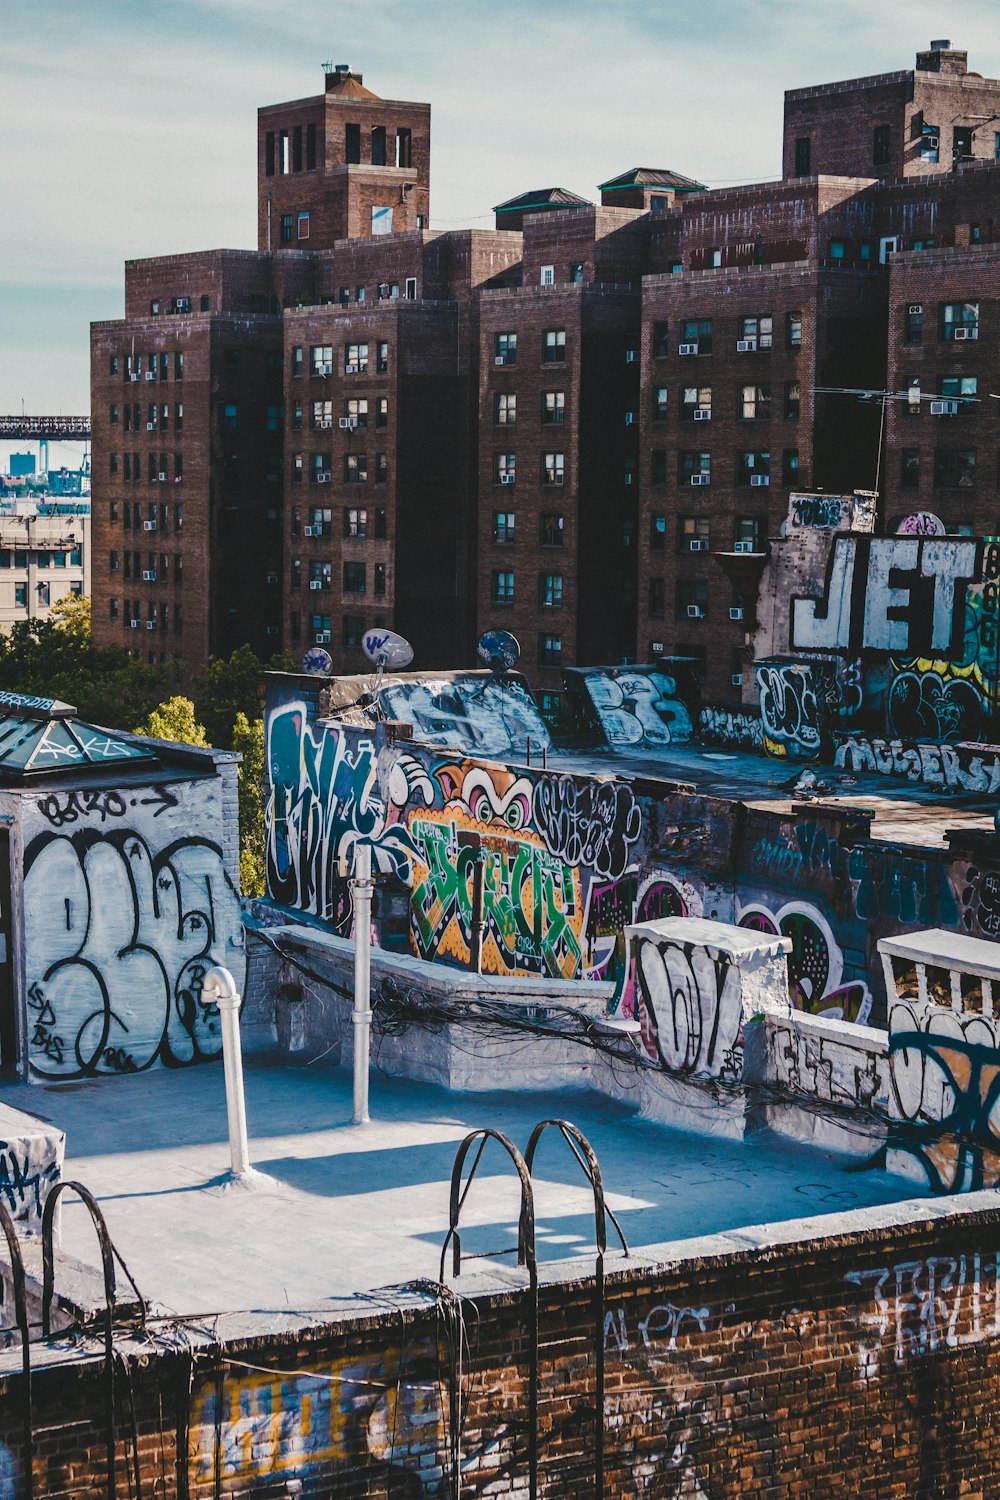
x=582, y=426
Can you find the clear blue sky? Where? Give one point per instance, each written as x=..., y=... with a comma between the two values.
x=131, y=124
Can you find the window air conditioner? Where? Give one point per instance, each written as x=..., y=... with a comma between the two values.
x=746, y=346
x=323, y=477
x=149, y=576
x=344, y=422
x=315, y=583
x=150, y=624
x=944, y=408
x=149, y=525
x=324, y=369
x=760, y=481
x=135, y=376
x=687, y=348
x=499, y=359
x=150, y=426
x=703, y=413
x=699, y=478
x=322, y=637
x=163, y=477
x=743, y=546
x=695, y=612
x=308, y=531
x=960, y=333
x=134, y=624
x=915, y=309
x=506, y=478
x=736, y=613
x=657, y=648
x=736, y=679
x=697, y=544
x=150, y=374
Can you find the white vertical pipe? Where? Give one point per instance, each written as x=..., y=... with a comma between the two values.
x=361, y=894
x=220, y=986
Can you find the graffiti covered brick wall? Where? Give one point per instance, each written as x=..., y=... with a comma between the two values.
x=127, y=905
x=634, y=706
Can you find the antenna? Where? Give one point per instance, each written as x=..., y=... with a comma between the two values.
x=385, y=649
x=498, y=650
x=317, y=661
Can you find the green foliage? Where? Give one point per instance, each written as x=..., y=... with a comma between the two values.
x=226, y=688
x=248, y=739
x=173, y=720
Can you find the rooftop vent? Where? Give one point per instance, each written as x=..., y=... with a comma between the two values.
x=943, y=45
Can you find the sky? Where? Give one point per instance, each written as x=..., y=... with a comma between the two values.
x=130, y=125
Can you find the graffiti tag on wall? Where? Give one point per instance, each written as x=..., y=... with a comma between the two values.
x=815, y=964
x=638, y=707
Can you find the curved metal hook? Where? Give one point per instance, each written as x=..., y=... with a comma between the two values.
x=21, y=1315
x=526, y=1219
x=591, y=1167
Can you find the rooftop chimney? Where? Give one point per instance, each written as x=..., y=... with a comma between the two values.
x=942, y=59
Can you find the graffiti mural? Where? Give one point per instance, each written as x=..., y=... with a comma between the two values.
x=473, y=713
x=693, y=998
x=791, y=699
x=947, y=768
x=815, y=965
x=121, y=926
x=634, y=707
x=738, y=728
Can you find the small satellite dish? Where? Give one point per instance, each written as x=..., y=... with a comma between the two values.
x=385, y=648
x=317, y=660
x=498, y=650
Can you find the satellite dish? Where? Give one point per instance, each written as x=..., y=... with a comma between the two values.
x=385, y=648
x=317, y=660
x=498, y=650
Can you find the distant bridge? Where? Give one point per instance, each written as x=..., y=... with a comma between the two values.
x=45, y=429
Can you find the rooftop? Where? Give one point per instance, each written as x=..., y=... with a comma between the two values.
x=653, y=177
x=538, y=198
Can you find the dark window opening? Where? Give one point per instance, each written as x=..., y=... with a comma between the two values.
x=352, y=143
x=404, y=147
x=378, y=145
x=803, y=156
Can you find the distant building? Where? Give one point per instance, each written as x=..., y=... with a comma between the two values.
x=21, y=465
x=554, y=425
x=44, y=554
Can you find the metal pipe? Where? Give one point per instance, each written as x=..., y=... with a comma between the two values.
x=220, y=986
x=361, y=896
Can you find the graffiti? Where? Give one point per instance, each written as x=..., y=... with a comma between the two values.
x=831, y=1067
x=740, y=728
x=636, y=708
x=693, y=997
x=819, y=512
x=815, y=964
x=611, y=907
x=324, y=797
x=62, y=808
x=981, y=900
x=29, y=1165
x=920, y=1307
x=591, y=823
x=921, y=523
x=531, y=908
x=474, y=713
x=668, y=1321
x=926, y=704
x=902, y=596
x=118, y=939
x=788, y=709
x=951, y=768
x=945, y=1072
x=894, y=887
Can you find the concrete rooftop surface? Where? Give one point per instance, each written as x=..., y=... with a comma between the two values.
x=355, y=1208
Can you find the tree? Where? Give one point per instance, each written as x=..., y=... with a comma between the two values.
x=174, y=720
x=228, y=687
x=248, y=739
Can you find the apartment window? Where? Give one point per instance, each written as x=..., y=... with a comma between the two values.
x=404, y=147
x=359, y=294
x=715, y=257
x=790, y=467
x=381, y=524
x=553, y=408
x=355, y=468
x=352, y=144
x=549, y=650
x=661, y=403
x=504, y=468
x=692, y=599
x=382, y=357
x=793, y=400
x=112, y=609
x=310, y=147
x=113, y=364
x=695, y=401
x=693, y=534
x=379, y=583
x=503, y=586
x=178, y=416
x=21, y=595
x=930, y=142
x=355, y=359
x=576, y=272
x=378, y=146
x=657, y=533
x=285, y=229
x=693, y=468
x=381, y=468
x=696, y=335
x=550, y=591
x=321, y=521
x=909, y=469
x=553, y=468
x=113, y=562
x=296, y=573
x=661, y=340
x=113, y=512
x=178, y=468
x=551, y=528
x=755, y=403
x=320, y=468
x=178, y=517
x=554, y=346
x=320, y=576
x=181, y=305
x=356, y=411
x=657, y=598
x=503, y=526
x=547, y=276
x=352, y=630
x=758, y=332
x=749, y=533
x=751, y=466
x=297, y=359
x=355, y=577
x=321, y=359
x=881, y=145
x=658, y=466
x=504, y=409
x=954, y=468
x=113, y=463
x=505, y=349
x=230, y=417
x=297, y=465
x=803, y=156
x=152, y=469
x=959, y=321
x=838, y=249
x=961, y=144
x=793, y=330
x=382, y=412
x=356, y=524
x=960, y=388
